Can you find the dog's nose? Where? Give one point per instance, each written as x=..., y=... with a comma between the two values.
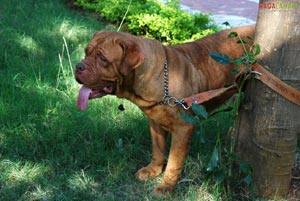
x=80, y=67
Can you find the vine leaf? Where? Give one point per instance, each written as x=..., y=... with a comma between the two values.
x=200, y=111
x=257, y=49
x=226, y=23
x=213, y=160
x=250, y=38
x=220, y=58
x=248, y=179
x=241, y=41
x=220, y=176
x=232, y=34
x=189, y=119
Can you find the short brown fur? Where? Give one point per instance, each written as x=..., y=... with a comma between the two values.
x=134, y=66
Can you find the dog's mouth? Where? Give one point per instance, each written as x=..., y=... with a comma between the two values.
x=86, y=93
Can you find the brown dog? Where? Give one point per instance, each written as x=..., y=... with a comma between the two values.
x=133, y=68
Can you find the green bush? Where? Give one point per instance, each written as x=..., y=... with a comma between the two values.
x=164, y=22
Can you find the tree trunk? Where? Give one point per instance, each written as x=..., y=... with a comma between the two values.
x=268, y=123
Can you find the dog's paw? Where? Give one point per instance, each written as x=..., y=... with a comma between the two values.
x=149, y=171
x=162, y=191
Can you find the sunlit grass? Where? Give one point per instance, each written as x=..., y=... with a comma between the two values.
x=28, y=43
x=15, y=172
x=49, y=150
x=19, y=175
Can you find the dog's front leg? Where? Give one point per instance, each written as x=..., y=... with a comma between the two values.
x=158, y=137
x=179, y=148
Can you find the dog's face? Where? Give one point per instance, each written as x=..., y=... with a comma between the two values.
x=108, y=58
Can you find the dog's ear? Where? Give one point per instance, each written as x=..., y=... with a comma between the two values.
x=98, y=33
x=132, y=56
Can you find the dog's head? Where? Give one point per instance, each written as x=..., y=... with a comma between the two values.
x=108, y=58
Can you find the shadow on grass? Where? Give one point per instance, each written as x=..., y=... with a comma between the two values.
x=86, y=154
x=50, y=150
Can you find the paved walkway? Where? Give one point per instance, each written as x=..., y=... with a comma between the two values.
x=235, y=12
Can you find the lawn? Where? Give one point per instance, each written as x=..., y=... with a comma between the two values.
x=49, y=150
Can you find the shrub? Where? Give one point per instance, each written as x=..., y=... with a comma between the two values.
x=164, y=22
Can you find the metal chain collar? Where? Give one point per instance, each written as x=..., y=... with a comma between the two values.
x=170, y=100
x=166, y=79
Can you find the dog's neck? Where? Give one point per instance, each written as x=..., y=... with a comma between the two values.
x=144, y=86
x=138, y=86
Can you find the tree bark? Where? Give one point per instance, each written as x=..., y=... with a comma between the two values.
x=268, y=123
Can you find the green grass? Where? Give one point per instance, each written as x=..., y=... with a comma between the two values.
x=51, y=151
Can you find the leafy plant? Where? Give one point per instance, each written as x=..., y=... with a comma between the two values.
x=224, y=167
x=163, y=21
x=251, y=50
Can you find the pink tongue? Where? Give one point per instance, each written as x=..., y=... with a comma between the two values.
x=83, y=97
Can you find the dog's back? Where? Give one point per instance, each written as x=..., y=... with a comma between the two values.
x=198, y=53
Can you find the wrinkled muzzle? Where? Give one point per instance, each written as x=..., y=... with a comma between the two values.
x=88, y=91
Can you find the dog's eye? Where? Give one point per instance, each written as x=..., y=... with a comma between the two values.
x=102, y=59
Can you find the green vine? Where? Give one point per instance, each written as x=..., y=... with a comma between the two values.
x=225, y=167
